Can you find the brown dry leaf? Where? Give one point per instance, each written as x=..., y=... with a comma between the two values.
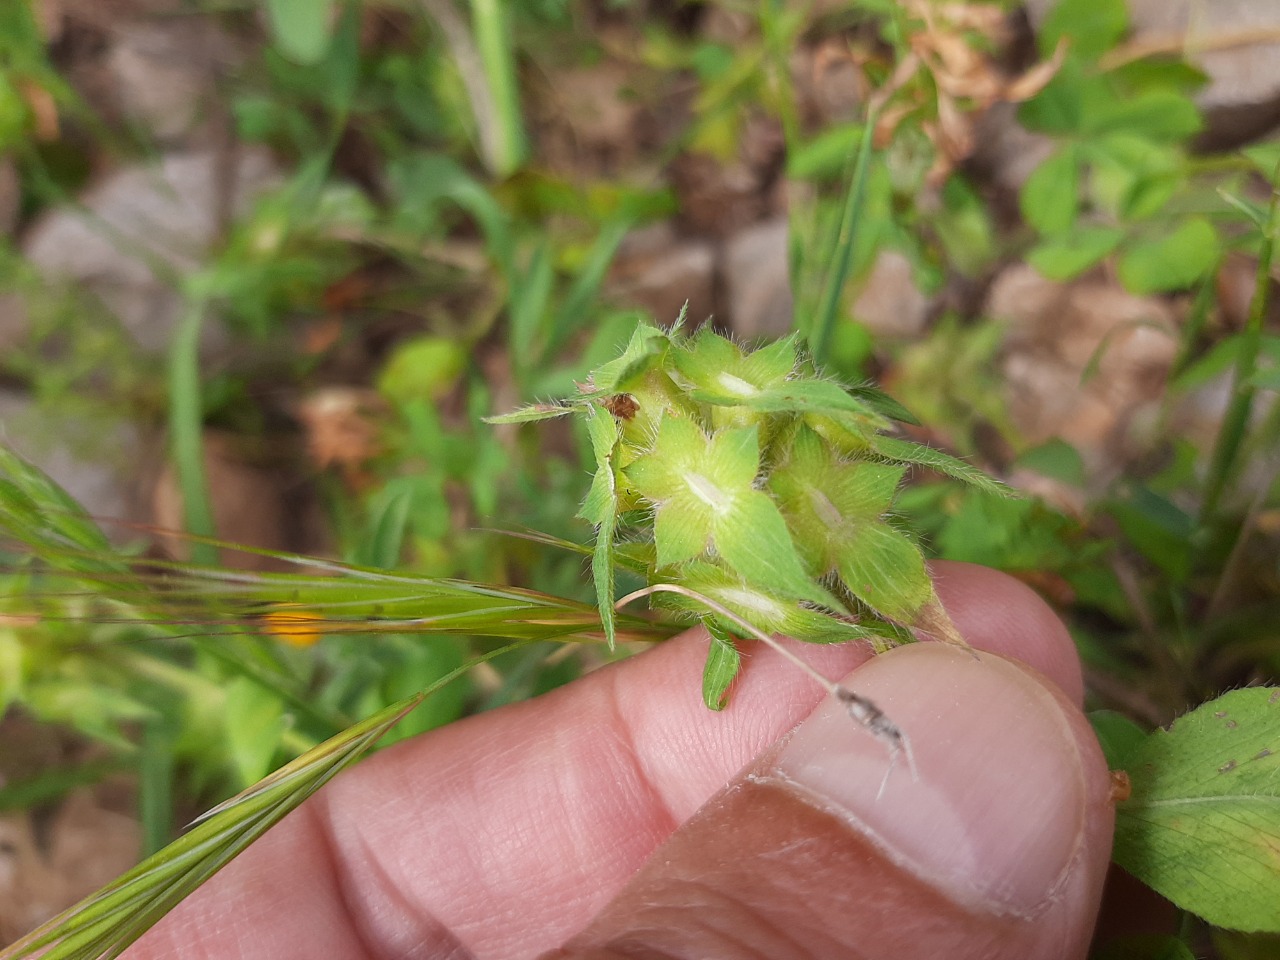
x=987, y=19
x=966, y=79
x=321, y=335
x=955, y=129
x=889, y=120
x=343, y=428
x=1037, y=78
x=48, y=15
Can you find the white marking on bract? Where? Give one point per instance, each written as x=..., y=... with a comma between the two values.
x=736, y=385
x=708, y=492
x=762, y=605
x=825, y=509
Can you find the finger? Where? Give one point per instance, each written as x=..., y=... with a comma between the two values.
x=508, y=831
x=998, y=849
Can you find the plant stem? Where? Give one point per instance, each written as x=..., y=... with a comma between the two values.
x=497, y=54
x=1235, y=422
x=186, y=440
x=820, y=328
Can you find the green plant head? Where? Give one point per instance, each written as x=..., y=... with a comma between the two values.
x=759, y=483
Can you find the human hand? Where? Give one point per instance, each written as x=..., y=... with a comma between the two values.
x=506, y=834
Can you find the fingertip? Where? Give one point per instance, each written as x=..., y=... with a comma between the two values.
x=1001, y=614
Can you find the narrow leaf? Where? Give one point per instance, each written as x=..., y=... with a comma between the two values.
x=723, y=664
x=301, y=28
x=601, y=508
x=533, y=413
x=907, y=452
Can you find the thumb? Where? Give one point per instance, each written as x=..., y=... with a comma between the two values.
x=995, y=849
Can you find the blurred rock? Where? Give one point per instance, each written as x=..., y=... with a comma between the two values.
x=890, y=304
x=98, y=462
x=757, y=281
x=166, y=215
x=164, y=72
x=88, y=846
x=719, y=197
x=588, y=120
x=30, y=892
x=1085, y=361
x=829, y=86
x=657, y=270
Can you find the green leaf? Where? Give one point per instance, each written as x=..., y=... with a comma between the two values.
x=1092, y=27
x=722, y=666
x=1172, y=261
x=1050, y=197
x=1265, y=157
x=826, y=500
x=679, y=537
x=1133, y=177
x=826, y=155
x=1118, y=735
x=424, y=368
x=647, y=343
x=1069, y=254
x=254, y=720
x=1202, y=827
x=885, y=570
x=1056, y=459
x=880, y=402
x=302, y=29
x=1156, y=114
x=754, y=542
x=1160, y=529
x=1058, y=109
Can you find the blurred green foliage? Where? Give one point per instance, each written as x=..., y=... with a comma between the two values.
x=418, y=215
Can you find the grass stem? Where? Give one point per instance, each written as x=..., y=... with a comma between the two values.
x=186, y=434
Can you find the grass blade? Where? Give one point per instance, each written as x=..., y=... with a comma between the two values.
x=1231, y=435
x=820, y=327
x=186, y=435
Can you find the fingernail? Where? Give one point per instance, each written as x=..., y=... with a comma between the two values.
x=997, y=811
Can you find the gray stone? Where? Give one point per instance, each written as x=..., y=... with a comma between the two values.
x=163, y=72
x=890, y=304
x=660, y=271
x=757, y=280
x=97, y=461
x=139, y=229
x=1084, y=361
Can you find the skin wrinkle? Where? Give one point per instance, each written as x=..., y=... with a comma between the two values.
x=433, y=941
x=319, y=827
x=624, y=747
x=699, y=910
